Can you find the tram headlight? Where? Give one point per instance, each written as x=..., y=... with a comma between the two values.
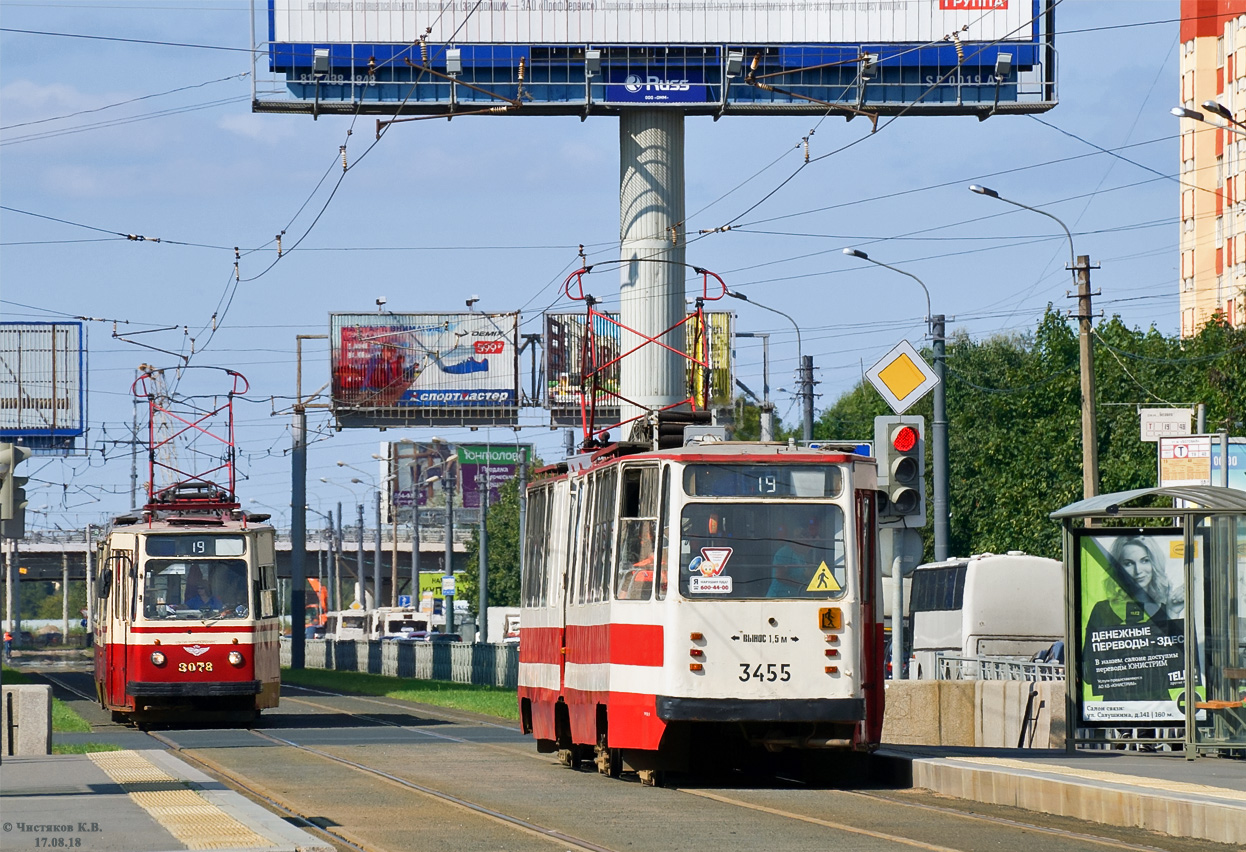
x=235, y=658
x=157, y=658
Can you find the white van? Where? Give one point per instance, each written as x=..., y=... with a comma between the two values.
x=991, y=605
x=347, y=625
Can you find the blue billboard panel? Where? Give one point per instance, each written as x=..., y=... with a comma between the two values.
x=427, y=58
x=43, y=391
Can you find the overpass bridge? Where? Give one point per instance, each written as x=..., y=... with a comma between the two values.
x=62, y=554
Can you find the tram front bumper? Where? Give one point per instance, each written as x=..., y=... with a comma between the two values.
x=672, y=709
x=160, y=689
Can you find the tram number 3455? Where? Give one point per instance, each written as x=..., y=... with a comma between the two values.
x=768, y=672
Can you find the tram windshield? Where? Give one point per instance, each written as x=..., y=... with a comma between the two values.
x=762, y=550
x=181, y=589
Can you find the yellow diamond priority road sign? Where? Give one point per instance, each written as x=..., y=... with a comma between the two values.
x=902, y=377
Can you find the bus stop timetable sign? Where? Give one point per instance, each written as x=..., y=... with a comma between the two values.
x=902, y=377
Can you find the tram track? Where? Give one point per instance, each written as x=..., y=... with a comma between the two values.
x=752, y=799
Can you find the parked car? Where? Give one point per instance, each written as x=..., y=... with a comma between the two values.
x=444, y=637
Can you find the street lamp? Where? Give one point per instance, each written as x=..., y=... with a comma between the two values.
x=359, y=571
x=805, y=369
x=935, y=325
x=1080, y=267
x=376, y=556
x=1216, y=108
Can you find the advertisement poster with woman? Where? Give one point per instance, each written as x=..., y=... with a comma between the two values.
x=1132, y=608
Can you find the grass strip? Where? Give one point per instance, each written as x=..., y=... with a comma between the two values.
x=64, y=720
x=474, y=698
x=83, y=748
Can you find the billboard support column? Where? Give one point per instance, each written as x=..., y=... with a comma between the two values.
x=651, y=232
x=298, y=539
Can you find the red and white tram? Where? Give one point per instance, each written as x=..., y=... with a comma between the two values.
x=186, y=615
x=185, y=608
x=680, y=602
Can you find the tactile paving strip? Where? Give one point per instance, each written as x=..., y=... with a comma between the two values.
x=180, y=810
x=1108, y=777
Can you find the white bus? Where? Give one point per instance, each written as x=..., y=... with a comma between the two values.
x=991, y=605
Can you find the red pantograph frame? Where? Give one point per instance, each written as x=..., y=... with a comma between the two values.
x=592, y=366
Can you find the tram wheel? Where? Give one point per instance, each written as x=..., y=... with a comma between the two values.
x=569, y=757
x=651, y=777
x=609, y=761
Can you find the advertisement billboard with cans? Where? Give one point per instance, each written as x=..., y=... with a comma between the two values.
x=957, y=57
x=568, y=388
x=391, y=369
x=43, y=392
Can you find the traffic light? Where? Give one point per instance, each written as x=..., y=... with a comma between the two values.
x=900, y=444
x=12, y=493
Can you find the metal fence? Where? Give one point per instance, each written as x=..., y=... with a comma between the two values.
x=995, y=668
x=480, y=663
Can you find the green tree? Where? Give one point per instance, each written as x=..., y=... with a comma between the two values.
x=1014, y=420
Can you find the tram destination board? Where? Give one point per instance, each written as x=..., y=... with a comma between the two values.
x=603, y=56
x=195, y=545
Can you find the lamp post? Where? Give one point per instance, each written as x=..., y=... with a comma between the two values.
x=766, y=409
x=447, y=486
x=359, y=570
x=805, y=370
x=1080, y=268
x=939, y=454
x=376, y=555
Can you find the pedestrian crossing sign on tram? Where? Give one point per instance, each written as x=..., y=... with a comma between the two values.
x=902, y=377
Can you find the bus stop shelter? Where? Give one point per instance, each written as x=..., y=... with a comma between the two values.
x=1155, y=603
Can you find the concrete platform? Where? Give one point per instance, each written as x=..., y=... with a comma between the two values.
x=131, y=801
x=1163, y=792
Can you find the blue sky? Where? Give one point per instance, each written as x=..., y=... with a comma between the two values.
x=111, y=137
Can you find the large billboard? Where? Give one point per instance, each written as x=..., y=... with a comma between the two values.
x=43, y=399
x=709, y=58
x=1132, y=606
x=567, y=386
x=393, y=369
x=417, y=474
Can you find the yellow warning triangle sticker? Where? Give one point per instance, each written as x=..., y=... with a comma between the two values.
x=823, y=581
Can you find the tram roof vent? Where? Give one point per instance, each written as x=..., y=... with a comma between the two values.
x=704, y=434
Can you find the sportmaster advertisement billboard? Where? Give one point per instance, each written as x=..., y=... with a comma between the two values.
x=393, y=369
x=530, y=57
x=1132, y=603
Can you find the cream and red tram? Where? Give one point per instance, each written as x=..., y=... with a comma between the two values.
x=679, y=602
x=185, y=607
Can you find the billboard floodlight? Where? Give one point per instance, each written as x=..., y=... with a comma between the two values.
x=735, y=61
x=1003, y=65
x=592, y=62
x=454, y=61
x=320, y=62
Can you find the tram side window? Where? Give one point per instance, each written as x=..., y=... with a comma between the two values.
x=638, y=503
x=603, y=536
x=535, y=547
x=664, y=524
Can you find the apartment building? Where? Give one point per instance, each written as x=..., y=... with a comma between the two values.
x=1213, y=163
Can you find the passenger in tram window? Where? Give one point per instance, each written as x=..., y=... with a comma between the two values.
x=201, y=597
x=233, y=585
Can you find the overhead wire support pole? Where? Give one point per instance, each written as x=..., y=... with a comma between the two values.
x=1080, y=269
x=935, y=326
x=804, y=366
